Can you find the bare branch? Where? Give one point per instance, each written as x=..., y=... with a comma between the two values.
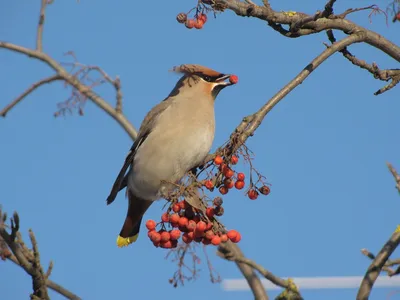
x=386, y=268
x=250, y=123
x=395, y=175
x=39, y=38
x=34, y=86
x=377, y=264
x=230, y=250
x=384, y=75
x=39, y=279
x=225, y=251
x=81, y=88
x=319, y=25
x=28, y=261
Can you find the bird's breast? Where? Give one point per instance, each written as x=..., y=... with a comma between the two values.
x=177, y=144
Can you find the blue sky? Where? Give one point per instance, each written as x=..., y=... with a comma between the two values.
x=323, y=148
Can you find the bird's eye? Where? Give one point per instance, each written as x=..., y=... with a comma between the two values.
x=207, y=78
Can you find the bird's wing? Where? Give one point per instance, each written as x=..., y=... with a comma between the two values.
x=144, y=131
x=122, y=180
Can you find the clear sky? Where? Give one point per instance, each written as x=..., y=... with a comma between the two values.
x=323, y=148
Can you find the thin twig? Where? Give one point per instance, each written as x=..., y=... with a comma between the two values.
x=34, y=269
x=79, y=86
x=377, y=264
x=38, y=278
x=396, y=176
x=42, y=16
x=384, y=75
x=33, y=87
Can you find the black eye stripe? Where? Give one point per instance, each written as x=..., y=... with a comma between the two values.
x=209, y=78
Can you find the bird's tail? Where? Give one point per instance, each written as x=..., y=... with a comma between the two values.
x=130, y=230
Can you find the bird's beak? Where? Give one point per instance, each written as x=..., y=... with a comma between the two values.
x=222, y=80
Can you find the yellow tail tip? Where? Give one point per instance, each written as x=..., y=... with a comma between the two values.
x=123, y=242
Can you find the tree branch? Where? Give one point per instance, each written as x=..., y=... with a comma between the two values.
x=380, y=262
x=229, y=251
x=29, y=260
x=396, y=176
x=377, y=264
x=79, y=86
x=39, y=38
x=225, y=252
x=384, y=75
x=50, y=79
x=277, y=19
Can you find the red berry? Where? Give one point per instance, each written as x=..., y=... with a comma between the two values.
x=186, y=238
x=216, y=240
x=156, y=244
x=151, y=224
x=202, y=17
x=223, y=167
x=175, y=234
x=176, y=207
x=264, y=190
x=208, y=184
x=183, y=204
x=198, y=24
x=201, y=226
x=181, y=17
x=398, y=16
x=183, y=222
x=218, y=201
x=198, y=233
x=253, y=194
x=232, y=234
x=209, y=225
x=219, y=211
x=165, y=217
x=174, y=225
x=174, y=218
x=240, y=176
x=237, y=238
x=165, y=236
x=196, y=219
x=190, y=23
x=191, y=235
x=228, y=182
x=209, y=234
x=234, y=160
x=155, y=237
x=229, y=173
x=224, y=238
x=218, y=160
x=166, y=244
x=191, y=226
x=239, y=184
x=233, y=79
x=150, y=233
x=223, y=190
x=210, y=212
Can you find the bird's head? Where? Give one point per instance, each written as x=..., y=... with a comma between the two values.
x=201, y=79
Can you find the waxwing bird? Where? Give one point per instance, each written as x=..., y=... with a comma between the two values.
x=174, y=137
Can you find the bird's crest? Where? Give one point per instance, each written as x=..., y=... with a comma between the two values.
x=190, y=69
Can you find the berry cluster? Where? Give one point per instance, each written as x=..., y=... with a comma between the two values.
x=186, y=220
x=229, y=179
x=197, y=22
